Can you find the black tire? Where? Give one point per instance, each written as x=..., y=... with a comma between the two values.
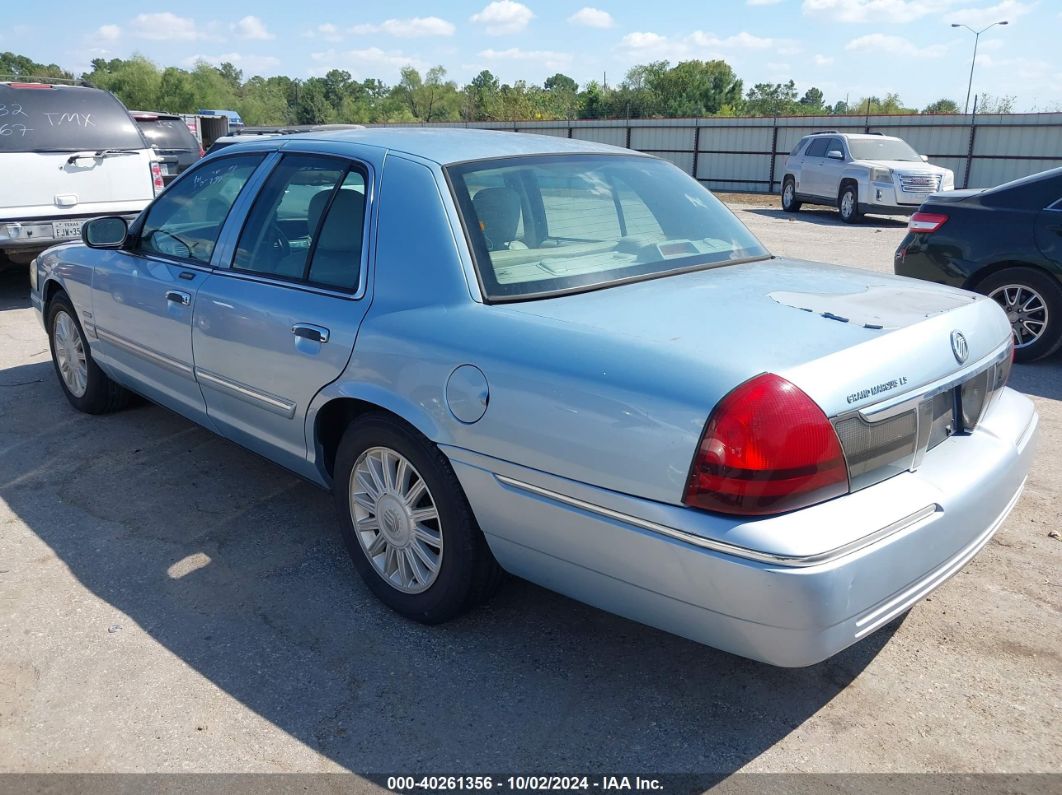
x=101, y=395
x=1050, y=293
x=467, y=573
x=789, y=203
x=849, y=207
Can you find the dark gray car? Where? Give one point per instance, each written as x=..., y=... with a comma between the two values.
x=170, y=137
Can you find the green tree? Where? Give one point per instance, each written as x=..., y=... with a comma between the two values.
x=772, y=99
x=481, y=97
x=696, y=88
x=942, y=106
x=561, y=82
x=432, y=98
x=812, y=102
x=986, y=103
x=13, y=65
x=313, y=105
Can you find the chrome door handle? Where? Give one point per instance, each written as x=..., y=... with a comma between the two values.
x=308, y=331
x=178, y=297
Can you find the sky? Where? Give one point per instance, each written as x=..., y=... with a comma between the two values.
x=847, y=48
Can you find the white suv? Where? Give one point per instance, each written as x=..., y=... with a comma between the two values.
x=67, y=153
x=860, y=174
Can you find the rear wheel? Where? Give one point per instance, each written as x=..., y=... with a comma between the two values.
x=407, y=524
x=848, y=205
x=85, y=385
x=1033, y=303
x=789, y=200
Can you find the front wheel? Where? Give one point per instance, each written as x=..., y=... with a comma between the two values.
x=85, y=385
x=848, y=205
x=407, y=524
x=1033, y=303
x=789, y=200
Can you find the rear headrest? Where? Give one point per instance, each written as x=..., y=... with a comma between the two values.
x=317, y=206
x=342, y=228
x=498, y=210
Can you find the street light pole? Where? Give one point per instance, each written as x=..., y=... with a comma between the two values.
x=977, y=39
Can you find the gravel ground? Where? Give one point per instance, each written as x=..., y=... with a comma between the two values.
x=170, y=602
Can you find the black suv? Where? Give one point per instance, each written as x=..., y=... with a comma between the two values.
x=170, y=137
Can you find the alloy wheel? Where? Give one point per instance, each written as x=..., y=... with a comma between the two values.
x=70, y=354
x=1026, y=310
x=396, y=520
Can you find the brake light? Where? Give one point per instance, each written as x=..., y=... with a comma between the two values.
x=30, y=85
x=766, y=448
x=202, y=152
x=926, y=222
x=156, y=177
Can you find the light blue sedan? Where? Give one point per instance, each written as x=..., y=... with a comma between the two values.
x=563, y=360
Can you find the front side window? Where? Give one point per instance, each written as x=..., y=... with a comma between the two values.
x=185, y=221
x=798, y=147
x=307, y=223
x=552, y=224
x=817, y=148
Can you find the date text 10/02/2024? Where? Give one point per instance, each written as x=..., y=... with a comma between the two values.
x=522, y=783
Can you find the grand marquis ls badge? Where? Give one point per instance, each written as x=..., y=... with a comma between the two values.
x=959, y=347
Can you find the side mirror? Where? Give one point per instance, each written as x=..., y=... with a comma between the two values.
x=925, y=158
x=835, y=154
x=106, y=232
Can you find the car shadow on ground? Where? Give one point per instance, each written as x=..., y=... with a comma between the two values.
x=237, y=568
x=824, y=216
x=14, y=286
x=1042, y=378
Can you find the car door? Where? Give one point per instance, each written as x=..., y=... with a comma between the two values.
x=143, y=296
x=279, y=323
x=810, y=182
x=831, y=169
x=1049, y=231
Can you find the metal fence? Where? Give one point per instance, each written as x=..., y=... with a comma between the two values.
x=748, y=154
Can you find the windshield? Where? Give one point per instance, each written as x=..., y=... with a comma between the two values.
x=64, y=119
x=882, y=149
x=560, y=223
x=168, y=133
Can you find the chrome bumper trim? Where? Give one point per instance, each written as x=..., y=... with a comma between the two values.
x=791, y=561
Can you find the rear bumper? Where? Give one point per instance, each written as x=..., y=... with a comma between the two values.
x=36, y=234
x=888, y=209
x=656, y=564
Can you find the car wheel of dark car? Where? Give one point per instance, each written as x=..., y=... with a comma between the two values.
x=85, y=385
x=1033, y=303
x=789, y=201
x=848, y=205
x=407, y=524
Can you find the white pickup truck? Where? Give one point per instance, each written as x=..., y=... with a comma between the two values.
x=67, y=154
x=860, y=174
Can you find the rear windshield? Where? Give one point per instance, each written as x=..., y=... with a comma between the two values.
x=551, y=224
x=881, y=149
x=64, y=119
x=168, y=133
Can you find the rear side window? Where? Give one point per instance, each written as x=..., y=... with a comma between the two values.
x=64, y=119
x=817, y=148
x=168, y=134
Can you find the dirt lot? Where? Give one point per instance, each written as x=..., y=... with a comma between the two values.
x=170, y=602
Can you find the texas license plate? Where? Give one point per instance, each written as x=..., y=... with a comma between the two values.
x=65, y=229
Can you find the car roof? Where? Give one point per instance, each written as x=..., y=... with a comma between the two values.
x=446, y=145
x=153, y=115
x=842, y=134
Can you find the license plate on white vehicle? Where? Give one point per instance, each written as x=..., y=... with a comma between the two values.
x=65, y=229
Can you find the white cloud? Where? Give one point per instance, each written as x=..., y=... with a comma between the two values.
x=250, y=64
x=167, y=26
x=875, y=10
x=408, y=28
x=503, y=16
x=108, y=32
x=702, y=45
x=326, y=31
x=1009, y=10
x=592, y=18
x=822, y=60
x=549, y=58
x=252, y=28
x=895, y=45
x=742, y=41
x=645, y=43
x=366, y=62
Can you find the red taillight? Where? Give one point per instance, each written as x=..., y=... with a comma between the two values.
x=202, y=152
x=926, y=222
x=156, y=178
x=30, y=85
x=767, y=448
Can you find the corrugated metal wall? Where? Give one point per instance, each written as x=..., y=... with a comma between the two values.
x=749, y=154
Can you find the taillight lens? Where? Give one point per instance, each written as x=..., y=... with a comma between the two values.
x=156, y=178
x=926, y=222
x=767, y=448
